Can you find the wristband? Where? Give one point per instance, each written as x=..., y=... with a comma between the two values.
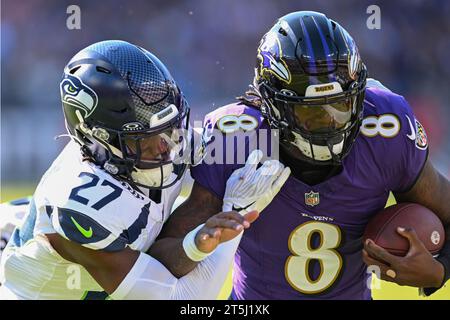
x=190, y=248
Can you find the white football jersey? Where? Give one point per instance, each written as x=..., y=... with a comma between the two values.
x=82, y=203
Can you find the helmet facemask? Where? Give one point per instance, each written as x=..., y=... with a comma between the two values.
x=154, y=158
x=316, y=128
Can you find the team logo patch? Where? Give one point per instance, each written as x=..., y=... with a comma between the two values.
x=312, y=198
x=435, y=237
x=421, y=136
x=271, y=58
x=75, y=93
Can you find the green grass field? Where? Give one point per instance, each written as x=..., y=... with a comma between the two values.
x=386, y=291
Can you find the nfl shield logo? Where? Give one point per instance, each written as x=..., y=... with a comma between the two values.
x=312, y=199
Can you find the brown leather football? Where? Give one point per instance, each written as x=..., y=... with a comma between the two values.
x=382, y=229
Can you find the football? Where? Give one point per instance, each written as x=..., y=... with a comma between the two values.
x=382, y=229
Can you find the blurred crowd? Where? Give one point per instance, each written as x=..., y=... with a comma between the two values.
x=210, y=48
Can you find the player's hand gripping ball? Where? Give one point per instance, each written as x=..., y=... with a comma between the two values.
x=382, y=229
x=401, y=240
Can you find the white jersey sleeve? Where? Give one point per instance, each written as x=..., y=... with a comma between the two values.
x=100, y=214
x=84, y=204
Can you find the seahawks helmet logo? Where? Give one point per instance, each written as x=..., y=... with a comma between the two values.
x=270, y=55
x=75, y=93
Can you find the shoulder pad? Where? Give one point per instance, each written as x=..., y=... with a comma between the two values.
x=233, y=118
x=80, y=228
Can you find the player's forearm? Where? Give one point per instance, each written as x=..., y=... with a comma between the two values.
x=444, y=259
x=149, y=279
x=168, y=248
x=442, y=209
x=170, y=252
x=430, y=189
x=207, y=279
x=441, y=190
x=199, y=207
x=429, y=192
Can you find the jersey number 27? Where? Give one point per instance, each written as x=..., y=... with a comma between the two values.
x=93, y=183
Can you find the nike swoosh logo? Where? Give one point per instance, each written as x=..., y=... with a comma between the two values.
x=84, y=232
x=239, y=209
x=411, y=136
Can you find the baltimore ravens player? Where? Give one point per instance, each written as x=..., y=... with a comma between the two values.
x=348, y=141
x=104, y=200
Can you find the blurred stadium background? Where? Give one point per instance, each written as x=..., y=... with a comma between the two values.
x=210, y=48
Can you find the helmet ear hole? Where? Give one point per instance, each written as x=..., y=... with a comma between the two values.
x=103, y=70
x=333, y=24
x=283, y=32
x=75, y=69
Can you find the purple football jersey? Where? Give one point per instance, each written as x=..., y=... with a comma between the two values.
x=307, y=243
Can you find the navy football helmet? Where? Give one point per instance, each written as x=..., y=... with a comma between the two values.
x=125, y=110
x=311, y=81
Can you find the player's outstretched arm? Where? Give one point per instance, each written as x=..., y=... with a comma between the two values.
x=129, y=274
x=248, y=188
x=198, y=208
x=418, y=268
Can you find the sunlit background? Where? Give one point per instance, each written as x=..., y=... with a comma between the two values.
x=210, y=48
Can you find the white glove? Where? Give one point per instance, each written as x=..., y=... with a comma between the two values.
x=250, y=189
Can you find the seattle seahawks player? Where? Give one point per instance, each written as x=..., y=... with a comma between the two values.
x=348, y=141
x=104, y=200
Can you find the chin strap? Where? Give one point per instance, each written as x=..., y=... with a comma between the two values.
x=334, y=157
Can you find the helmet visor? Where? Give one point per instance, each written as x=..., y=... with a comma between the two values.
x=326, y=118
x=151, y=150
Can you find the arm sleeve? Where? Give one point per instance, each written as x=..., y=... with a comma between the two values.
x=149, y=279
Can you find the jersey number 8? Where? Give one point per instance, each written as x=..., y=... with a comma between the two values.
x=231, y=123
x=386, y=125
x=300, y=244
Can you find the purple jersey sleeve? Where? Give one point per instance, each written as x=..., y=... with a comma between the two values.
x=402, y=140
x=212, y=177
x=227, y=124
